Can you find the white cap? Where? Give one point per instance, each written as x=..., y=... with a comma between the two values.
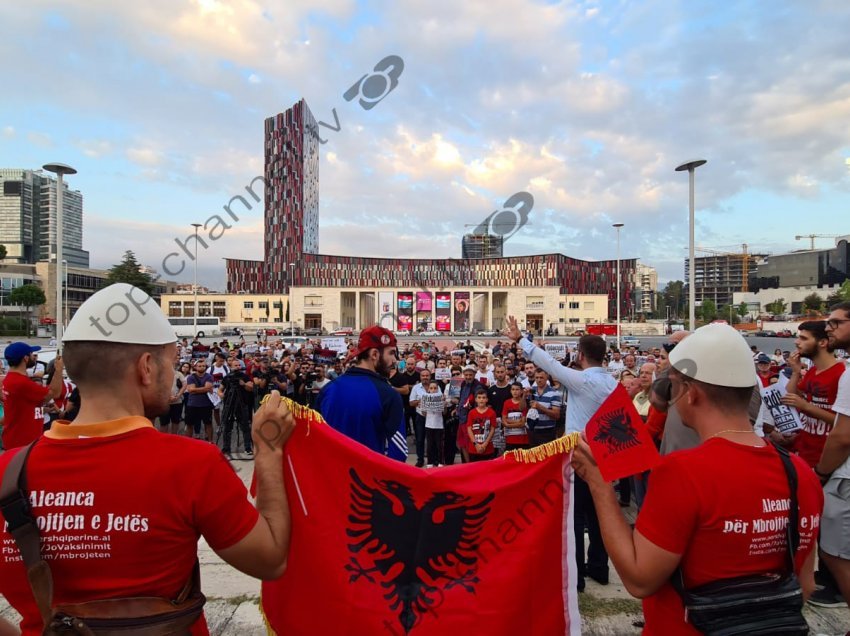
x=715, y=354
x=123, y=314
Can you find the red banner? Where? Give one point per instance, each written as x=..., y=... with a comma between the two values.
x=380, y=547
x=620, y=441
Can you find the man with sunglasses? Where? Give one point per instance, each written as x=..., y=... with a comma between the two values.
x=361, y=403
x=834, y=465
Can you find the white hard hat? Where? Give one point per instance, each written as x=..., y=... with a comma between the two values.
x=715, y=354
x=120, y=313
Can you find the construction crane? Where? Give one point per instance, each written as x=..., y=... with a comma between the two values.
x=812, y=238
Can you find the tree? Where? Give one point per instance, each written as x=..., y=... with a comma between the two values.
x=743, y=310
x=287, y=309
x=674, y=296
x=812, y=303
x=3, y=253
x=280, y=311
x=728, y=313
x=776, y=307
x=128, y=271
x=28, y=296
x=708, y=311
x=839, y=296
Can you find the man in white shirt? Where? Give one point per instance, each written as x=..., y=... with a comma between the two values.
x=834, y=465
x=419, y=389
x=616, y=364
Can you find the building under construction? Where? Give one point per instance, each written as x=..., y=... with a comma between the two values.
x=721, y=274
x=481, y=246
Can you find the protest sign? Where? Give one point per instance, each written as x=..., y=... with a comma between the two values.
x=454, y=388
x=442, y=375
x=557, y=350
x=432, y=403
x=786, y=419
x=335, y=344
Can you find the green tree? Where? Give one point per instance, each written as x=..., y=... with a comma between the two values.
x=674, y=296
x=28, y=296
x=280, y=311
x=778, y=306
x=839, y=296
x=812, y=303
x=728, y=313
x=3, y=252
x=128, y=271
x=708, y=311
x=743, y=310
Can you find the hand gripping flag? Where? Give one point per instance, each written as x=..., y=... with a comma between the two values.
x=379, y=547
x=620, y=441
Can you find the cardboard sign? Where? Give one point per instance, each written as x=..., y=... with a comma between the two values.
x=454, y=388
x=786, y=419
x=441, y=375
x=432, y=403
x=334, y=344
x=557, y=350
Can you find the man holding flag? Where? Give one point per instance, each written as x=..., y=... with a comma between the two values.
x=717, y=511
x=587, y=390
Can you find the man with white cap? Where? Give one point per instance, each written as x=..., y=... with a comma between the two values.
x=121, y=505
x=716, y=511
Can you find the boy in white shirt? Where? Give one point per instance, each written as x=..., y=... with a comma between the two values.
x=434, y=428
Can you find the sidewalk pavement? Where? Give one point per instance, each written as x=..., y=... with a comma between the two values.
x=609, y=610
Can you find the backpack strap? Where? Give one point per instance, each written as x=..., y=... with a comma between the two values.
x=22, y=526
x=793, y=530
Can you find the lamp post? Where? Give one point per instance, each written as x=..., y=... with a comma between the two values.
x=617, y=226
x=65, y=299
x=291, y=313
x=690, y=166
x=195, y=285
x=60, y=170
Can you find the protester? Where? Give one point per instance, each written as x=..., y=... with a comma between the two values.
x=466, y=403
x=170, y=421
x=149, y=496
x=361, y=403
x=480, y=427
x=24, y=400
x=199, y=408
x=416, y=394
x=708, y=508
x=834, y=465
x=434, y=429
x=676, y=435
x=764, y=370
x=545, y=405
x=587, y=390
x=514, y=412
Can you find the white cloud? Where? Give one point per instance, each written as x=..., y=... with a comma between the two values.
x=145, y=156
x=40, y=139
x=95, y=148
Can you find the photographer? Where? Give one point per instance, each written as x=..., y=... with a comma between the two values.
x=237, y=392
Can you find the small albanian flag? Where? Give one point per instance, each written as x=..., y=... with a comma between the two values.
x=621, y=443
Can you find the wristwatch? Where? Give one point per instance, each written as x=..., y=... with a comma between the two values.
x=823, y=476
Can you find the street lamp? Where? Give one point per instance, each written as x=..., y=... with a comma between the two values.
x=60, y=170
x=291, y=313
x=65, y=300
x=690, y=166
x=195, y=286
x=617, y=226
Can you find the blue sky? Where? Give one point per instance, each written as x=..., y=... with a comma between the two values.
x=587, y=105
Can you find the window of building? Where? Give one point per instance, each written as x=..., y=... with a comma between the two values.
x=534, y=302
x=312, y=301
x=277, y=305
x=574, y=304
x=560, y=305
x=248, y=304
x=574, y=320
x=263, y=304
x=12, y=188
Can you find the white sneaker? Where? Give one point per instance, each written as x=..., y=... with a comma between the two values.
x=429, y=465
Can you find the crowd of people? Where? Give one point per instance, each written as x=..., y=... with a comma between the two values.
x=714, y=508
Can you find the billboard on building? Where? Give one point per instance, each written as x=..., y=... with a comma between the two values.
x=424, y=305
x=461, y=311
x=386, y=317
x=443, y=311
x=405, y=311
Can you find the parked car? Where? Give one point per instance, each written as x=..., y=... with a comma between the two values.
x=461, y=333
x=629, y=341
x=429, y=333
x=314, y=331
x=402, y=332
x=488, y=332
x=231, y=332
x=345, y=331
x=784, y=333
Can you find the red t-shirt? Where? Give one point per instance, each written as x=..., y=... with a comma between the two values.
x=820, y=389
x=515, y=435
x=723, y=506
x=23, y=400
x=121, y=515
x=481, y=425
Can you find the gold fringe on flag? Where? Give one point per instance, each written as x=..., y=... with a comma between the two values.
x=301, y=413
x=269, y=630
x=560, y=446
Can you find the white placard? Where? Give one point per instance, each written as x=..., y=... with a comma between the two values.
x=557, y=350
x=334, y=344
x=432, y=403
x=442, y=374
x=786, y=419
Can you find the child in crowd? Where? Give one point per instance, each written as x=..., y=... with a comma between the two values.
x=434, y=442
x=513, y=419
x=481, y=426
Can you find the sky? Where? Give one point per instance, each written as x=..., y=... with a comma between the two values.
x=587, y=105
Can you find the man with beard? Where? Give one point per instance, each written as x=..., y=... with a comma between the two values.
x=23, y=399
x=237, y=392
x=834, y=465
x=127, y=475
x=361, y=403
